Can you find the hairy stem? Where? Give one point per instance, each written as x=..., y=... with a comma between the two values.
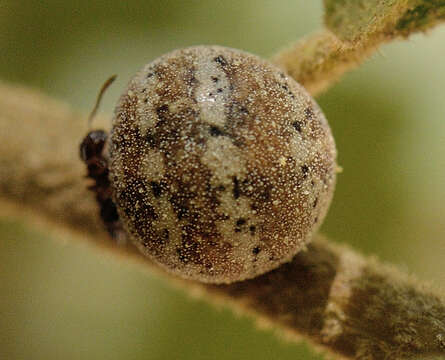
x=342, y=302
x=355, y=29
x=376, y=20
x=319, y=60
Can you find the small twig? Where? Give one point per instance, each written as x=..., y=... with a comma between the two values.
x=374, y=21
x=349, y=305
x=318, y=61
x=355, y=29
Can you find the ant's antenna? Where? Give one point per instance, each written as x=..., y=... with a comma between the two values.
x=99, y=97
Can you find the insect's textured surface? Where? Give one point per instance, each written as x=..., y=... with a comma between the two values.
x=222, y=165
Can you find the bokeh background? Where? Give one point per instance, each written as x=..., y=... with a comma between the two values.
x=60, y=300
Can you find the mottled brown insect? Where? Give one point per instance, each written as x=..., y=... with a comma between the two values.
x=219, y=167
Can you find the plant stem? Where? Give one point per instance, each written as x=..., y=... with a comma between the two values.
x=342, y=302
x=318, y=60
x=355, y=29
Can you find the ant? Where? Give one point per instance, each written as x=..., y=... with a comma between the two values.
x=91, y=153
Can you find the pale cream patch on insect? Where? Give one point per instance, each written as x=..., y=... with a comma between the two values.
x=147, y=99
x=212, y=92
x=224, y=160
x=146, y=120
x=153, y=163
x=239, y=235
x=179, y=104
x=234, y=209
x=299, y=150
x=167, y=219
x=247, y=154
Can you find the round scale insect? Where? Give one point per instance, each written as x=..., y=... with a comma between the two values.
x=221, y=166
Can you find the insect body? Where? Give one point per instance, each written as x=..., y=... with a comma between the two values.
x=220, y=165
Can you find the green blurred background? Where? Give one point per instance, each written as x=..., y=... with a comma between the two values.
x=60, y=300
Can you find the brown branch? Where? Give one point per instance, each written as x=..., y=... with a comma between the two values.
x=355, y=29
x=358, y=21
x=319, y=60
x=349, y=305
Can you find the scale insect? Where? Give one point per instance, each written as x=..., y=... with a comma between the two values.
x=219, y=166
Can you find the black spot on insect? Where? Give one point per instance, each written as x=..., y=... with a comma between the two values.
x=156, y=189
x=150, y=139
x=192, y=80
x=220, y=188
x=180, y=202
x=285, y=87
x=221, y=60
x=297, y=125
x=216, y=131
x=146, y=100
x=304, y=170
x=252, y=229
x=238, y=142
x=149, y=75
x=162, y=110
x=220, y=90
x=182, y=212
x=315, y=203
x=244, y=110
x=236, y=188
x=240, y=222
x=256, y=250
x=214, y=79
x=309, y=113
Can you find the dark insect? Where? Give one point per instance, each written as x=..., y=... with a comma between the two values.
x=91, y=153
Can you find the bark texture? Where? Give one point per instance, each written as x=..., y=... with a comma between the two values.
x=351, y=306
